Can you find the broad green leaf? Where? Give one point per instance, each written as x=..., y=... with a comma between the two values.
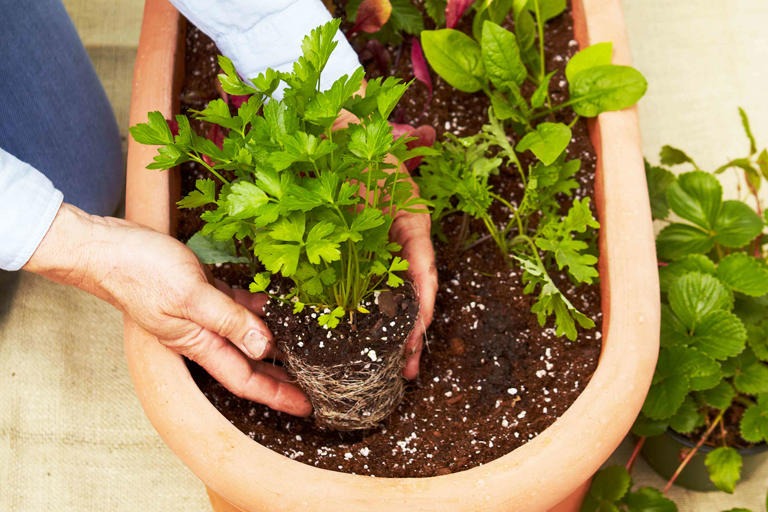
x=279, y=258
x=547, y=142
x=678, y=240
x=719, y=397
x=605, y=88
x=752, y=378
x=664, y=398
x=659, y=180
x=289, y=229
x=754, y=423
x=736, y=224
x=720, y=334
x=547, y=9
x=501, y=56
x=687, y=417
x=669, y=155
x=646, y=427
x=455, y=57
x=217, y=112
x=690, y=263
x=696, y=196
x=595, y=55
x=366, y=219
x=724, y=466
x=540, y=95
x=744, y=273
x=648, y=499
x=230, y=80
x=610, y=484
x=695, y=295
x=214, y=252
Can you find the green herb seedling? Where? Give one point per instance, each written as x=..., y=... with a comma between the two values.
x=310, y=203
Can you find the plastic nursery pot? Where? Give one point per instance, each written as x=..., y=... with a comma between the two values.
x=550, y=472
x=665, y=452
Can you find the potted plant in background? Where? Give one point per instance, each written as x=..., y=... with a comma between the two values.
x=231, y=465
x=704, y=424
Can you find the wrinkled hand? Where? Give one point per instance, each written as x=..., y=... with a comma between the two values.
x=160, y=284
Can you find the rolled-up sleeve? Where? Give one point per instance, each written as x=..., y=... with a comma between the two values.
x=259, y=34
x=28, y=205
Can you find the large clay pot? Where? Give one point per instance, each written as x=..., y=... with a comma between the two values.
x=548, y=473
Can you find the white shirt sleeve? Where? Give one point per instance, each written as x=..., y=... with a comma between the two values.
x=29, y=203
x=261, y=34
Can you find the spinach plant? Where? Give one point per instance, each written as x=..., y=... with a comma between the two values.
x=508, y=66
x=310, y=203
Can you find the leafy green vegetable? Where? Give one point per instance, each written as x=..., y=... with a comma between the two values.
x=611, y=491
x=310, y=203
x=714, y=283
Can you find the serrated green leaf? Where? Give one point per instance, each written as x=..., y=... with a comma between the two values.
x=752, y=378
x=658, y=180
x=744, y=274
x=646, y=427
x=610, y=484
x=455, y=57
x=677, y=268
x=696, y=196
x=319, y=244
x=724, y=466
x=719, y=397
x=694, y=295
x=687, y=417
x=244, y=200
x=678, y=240
x=720, y=335
x=736, y=224
x=260, y=283
x=154, y=131
x=648, y=499
x=754, y=423
x=204, y=194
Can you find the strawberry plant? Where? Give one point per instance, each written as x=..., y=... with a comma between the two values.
x=310, y=203
x=509, y=68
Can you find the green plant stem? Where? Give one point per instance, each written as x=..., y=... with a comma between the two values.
x=540, y=28
x=201, y=161
x=693, y=451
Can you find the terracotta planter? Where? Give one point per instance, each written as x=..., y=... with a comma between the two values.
x=552, y=469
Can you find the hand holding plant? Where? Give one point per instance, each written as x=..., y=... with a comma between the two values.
x=321, y=205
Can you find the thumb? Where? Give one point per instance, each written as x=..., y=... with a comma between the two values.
x=217, y=312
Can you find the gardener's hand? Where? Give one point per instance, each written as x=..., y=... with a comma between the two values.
x=412, y=231
x=160, y=284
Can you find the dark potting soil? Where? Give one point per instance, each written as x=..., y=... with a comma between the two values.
x=491, y=378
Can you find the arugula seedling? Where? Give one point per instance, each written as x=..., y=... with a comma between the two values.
x=310, y=203
x=538, y=235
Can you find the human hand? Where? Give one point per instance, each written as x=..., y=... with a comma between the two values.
x=159, y=283
x=412, y=230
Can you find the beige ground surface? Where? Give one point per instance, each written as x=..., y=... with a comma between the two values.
x=72, y=434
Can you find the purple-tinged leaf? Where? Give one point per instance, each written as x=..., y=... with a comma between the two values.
x=420, y=67
x=454, y=10
x=372, y=15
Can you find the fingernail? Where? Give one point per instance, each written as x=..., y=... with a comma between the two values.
x=255, y=344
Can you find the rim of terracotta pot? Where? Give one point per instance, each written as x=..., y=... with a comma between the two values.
x=538, y=475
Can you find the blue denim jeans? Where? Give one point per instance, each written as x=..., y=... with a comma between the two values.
x=54, y=113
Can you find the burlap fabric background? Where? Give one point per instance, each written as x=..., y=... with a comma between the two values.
x=72, y=434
